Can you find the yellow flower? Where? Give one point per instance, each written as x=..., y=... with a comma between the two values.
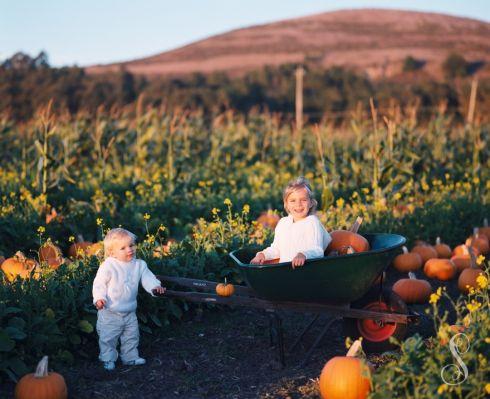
x=146, y=216
x=482, y=281
x=442, y=388
x=227, y=202
x=246, y=208
x=487, y=388
x=161, y=227
x=41, y=229
x=340, y=203
x=99, y=221
x=487, y=340
x=434, y=298
x=71, y=239
x=397, y=196
x=215, y=211
x=480, y=260
x=473, y=306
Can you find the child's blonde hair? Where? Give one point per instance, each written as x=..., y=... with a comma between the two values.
x=298, y=184
x=113, y=236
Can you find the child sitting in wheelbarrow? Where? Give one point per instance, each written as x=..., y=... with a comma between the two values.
x=300, y=235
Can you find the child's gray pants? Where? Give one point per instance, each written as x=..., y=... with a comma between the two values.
x=114, y=325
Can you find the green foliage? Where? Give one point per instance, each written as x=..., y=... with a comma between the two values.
x=455, y=66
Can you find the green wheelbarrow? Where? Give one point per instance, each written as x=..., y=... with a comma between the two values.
x=347, y=283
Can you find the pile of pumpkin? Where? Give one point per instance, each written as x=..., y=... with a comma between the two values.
x=49, y=254
x=441, y=263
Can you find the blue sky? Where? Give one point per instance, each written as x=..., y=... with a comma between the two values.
x=88, y=32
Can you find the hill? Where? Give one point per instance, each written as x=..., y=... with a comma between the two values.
x=372, y=41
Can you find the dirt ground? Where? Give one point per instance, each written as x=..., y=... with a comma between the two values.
x=220, y=353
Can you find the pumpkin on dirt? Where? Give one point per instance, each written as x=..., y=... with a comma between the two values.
x=462, y=261
x=346, y=377
x=426, y=252
x=407, y=261
x=41, y=384
x=225, y=289
x=441, y=269
x=443, y=250
x=412, y=290
x=467, y=278
x=269, y=219
x=479, y=241
x=342, y=239
x=18, y=265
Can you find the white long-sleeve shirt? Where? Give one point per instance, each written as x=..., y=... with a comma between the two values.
x=307, y=236
x=117, y=283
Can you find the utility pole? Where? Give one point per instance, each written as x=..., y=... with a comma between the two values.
x=300, y=71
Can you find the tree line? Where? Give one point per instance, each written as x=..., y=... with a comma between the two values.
x=26, y=83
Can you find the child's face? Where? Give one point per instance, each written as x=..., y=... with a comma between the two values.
x=298, y=204
x=123, y=249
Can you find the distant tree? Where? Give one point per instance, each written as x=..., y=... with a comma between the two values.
x=411, y=64
x=455, y=66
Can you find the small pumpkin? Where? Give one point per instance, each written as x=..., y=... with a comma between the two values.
x=463, y=250
x=462, y=261
x=407, y=261
x=41, y=384
x=225, y=289
x=346, y=377
x=479, y=241
x=412, y=290
x=342, y=239
x=49, y=251
x=441, y=269
x=269, y=219
x=467, y=278
x=18, y=265
x=164, y=250
x=426, y=252
x=443, y=250
x=79, y=249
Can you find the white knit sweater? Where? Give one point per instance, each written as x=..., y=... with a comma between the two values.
x=307, y=236
x=117, y=283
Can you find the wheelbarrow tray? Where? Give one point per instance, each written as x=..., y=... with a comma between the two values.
x=338, y=279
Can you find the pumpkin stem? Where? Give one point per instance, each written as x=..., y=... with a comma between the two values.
x=80, y=238
x=225, y=281
x=473, y=258
x=485, y=222
x=438, y=241
x=412, y=276
x=20, y=256
x=356, y=225
x=465, y=250
x=355, y=347
x=405, y=249
x=42, y=368
x=475, y=231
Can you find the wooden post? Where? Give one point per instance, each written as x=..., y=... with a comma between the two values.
x=471, y=106
x=300, y=71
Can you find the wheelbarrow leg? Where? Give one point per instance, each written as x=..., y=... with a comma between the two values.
x=305, y=330
x=317, y=341
x=275, y=330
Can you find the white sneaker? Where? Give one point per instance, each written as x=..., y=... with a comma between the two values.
x=136, y=362
x=109, y=366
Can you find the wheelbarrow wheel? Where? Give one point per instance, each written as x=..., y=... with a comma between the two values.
x=376, y=335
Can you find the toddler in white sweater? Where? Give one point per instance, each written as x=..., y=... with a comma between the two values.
x=300, y=235
x=114, y=295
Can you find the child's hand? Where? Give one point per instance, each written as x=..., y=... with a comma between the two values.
x=259, y=259
x=298, y=260
x=100, y=304
x=158, y=290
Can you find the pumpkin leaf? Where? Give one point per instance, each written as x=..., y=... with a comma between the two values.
x=17, y=366
x=66, y=357
x=6, y=343
x=145, y=329
x=75, y=339
x=155, y=319
x=17, y=322
x=85, y=326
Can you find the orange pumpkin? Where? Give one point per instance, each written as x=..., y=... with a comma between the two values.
x=443, y=250
x=79, y=249
x=269, y=219
x=426, y=252
x=462, y=261
x=479, y=241
x=467, y=278
x=18, y=265
x=346, y=377
x=463, y=250
x=49, y=251
x=225, y=289
x=412, y=290
x=342, y=239
x=41, y=384
x=407, y=261
x=96, y=249
x=164, y=250
x=441, y=269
